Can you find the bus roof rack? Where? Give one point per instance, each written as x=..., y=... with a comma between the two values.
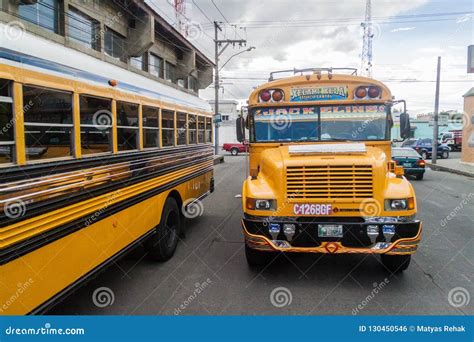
x=314, y=70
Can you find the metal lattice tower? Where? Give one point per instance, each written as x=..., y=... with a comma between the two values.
x=366, y=65
x=180, y=12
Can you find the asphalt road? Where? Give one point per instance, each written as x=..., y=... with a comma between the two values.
x=209, y=275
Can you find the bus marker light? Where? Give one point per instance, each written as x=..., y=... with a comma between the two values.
x=373, y=232
x=265, y=96
x=277, y=95
x=289, y=230
x=361, y=92
x=274, y=230
x=388, y=232
x=374, y=92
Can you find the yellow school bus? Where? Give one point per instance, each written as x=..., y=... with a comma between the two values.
x=90, y=167
x=321, y=178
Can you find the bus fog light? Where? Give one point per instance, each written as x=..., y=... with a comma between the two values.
x=373, y=232
x=274, y=230
x=289, y=230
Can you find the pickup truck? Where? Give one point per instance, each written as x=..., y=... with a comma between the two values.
x=235, y=148
x=452, y=138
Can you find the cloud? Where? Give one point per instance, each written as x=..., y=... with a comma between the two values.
x=403, y=29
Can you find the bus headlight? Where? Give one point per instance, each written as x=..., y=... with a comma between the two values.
x=400, y=204
x=261, y=204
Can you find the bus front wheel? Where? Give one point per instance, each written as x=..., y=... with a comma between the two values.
x=257, y=258
x=396, y=263
x=162, y=244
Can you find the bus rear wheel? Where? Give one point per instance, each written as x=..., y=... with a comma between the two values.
x=396, y=263
x=162, y=244
x=258, y=258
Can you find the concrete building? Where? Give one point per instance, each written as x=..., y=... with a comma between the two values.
x=126, y=33
x=229, y=114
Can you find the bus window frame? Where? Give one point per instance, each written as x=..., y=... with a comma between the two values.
x=117, y=126
x=12, y=143
x=157, y=129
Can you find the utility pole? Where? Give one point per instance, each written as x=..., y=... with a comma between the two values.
x=434, y=151
x=218, y=50
x=366, y=63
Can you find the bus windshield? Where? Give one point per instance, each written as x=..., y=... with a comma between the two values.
x=320, y=123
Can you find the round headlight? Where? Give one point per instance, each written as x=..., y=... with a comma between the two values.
x=398, y=204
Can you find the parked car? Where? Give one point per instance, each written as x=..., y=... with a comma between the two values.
x=235, y=148
x=424, y=146
x=453, y=139
x=412, y=162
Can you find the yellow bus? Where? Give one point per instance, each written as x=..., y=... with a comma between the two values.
x=90, y=167
x=321, y=178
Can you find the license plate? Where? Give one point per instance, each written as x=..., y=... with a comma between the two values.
x=407, y=164
x=312, y=209
x=330, y=230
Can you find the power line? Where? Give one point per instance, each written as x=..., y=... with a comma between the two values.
x=226, y=20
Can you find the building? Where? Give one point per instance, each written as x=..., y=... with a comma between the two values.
x=124, y=33
x=229, y=115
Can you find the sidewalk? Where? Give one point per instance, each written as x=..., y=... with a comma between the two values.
x=452, y=165
x=218, y=159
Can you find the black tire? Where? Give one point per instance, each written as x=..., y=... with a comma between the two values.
x=445, y=155
x=162, y=244
x=420, y=176
x=424, y=155
x=258, y=258
x=234, y=151
x=396, y=263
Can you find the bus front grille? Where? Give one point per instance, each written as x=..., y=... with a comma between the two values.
x=329, y=181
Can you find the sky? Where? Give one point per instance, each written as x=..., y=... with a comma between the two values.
x=409, y=35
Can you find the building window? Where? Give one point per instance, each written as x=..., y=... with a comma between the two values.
x=192, y=125
x=208, y=130
x=225, y=117
x=48, y=123
x=138, y=62
x=156, y=66
x=7, y=136
x=83, y=29
x=114, y=44
x=170, y=71
x=44, y=13
x=127, y=126
x=182, y=128
x=192, y=83
x=151, y=129
x=167, y=128
x=96, y=124
x=201, y=129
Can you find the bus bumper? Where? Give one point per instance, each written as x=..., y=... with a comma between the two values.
x=396, y=238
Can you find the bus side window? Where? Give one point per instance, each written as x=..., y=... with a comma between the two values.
x=7, y=137
x=48, y=123
x=96, y=124
x=208, y=130
x=201, y=129
x=182, y=128
x=167, y=127
x=192, y=129
x=151, y=127
x=127, y=126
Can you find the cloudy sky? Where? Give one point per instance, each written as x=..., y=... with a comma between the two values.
x=408, y=37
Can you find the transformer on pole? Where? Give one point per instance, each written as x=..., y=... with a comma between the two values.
x=366, y=65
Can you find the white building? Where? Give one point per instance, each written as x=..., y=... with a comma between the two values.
x=229, y=114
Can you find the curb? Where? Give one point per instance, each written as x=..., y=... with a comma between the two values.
x=448, y=169
x=218, y=160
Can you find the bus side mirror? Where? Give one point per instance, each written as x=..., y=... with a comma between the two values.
x=405, y=126
x=240, y=129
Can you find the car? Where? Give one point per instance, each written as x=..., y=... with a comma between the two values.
x=424, y=146
x=453, y=139
x=412, y=162
x=235, y=148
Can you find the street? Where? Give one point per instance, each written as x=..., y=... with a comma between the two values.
x=209, y=275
